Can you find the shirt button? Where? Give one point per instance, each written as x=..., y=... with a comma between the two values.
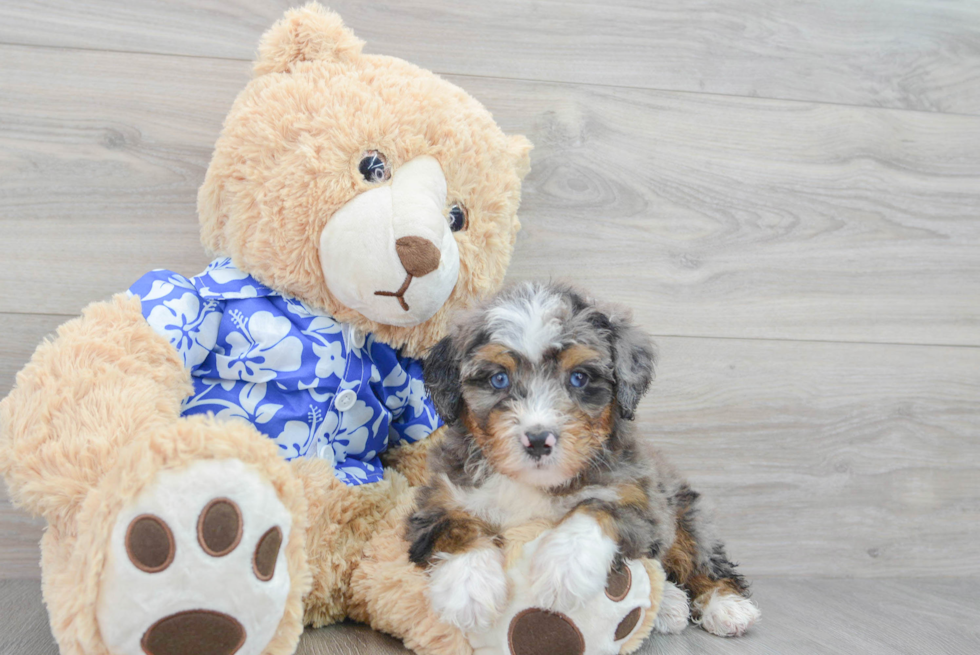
x=345, y=400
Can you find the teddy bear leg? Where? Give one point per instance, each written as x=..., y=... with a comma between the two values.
x=105, y=379
x=193, y=544
x=159, y=527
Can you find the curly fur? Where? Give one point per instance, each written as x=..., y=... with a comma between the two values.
x=485, y=477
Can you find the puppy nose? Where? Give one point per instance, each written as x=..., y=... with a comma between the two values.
x=538, y=444
x=419, y=256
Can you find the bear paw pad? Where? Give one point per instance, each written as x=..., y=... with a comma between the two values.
x=196, y=565
x=603, y=625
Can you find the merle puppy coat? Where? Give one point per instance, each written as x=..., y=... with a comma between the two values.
x=539, y=388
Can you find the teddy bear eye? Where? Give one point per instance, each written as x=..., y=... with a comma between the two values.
x=374, y=167
x=457, y=218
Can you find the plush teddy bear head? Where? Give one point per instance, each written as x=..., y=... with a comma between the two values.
x=363, y=185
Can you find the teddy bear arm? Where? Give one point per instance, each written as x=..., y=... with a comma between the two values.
x=105, y=377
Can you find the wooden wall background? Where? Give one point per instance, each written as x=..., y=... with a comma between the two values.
x=788, y=194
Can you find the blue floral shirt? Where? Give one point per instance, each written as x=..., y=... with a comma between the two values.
x=318, y=387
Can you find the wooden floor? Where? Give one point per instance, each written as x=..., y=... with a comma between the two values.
x=866, y=617
x=788, y=194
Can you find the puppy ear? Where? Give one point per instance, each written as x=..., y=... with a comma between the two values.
x=441, y=370
x=634, y=358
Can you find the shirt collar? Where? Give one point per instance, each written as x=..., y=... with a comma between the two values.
x=225, y=281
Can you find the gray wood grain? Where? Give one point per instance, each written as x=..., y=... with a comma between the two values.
x=913, y=54
x=800, y=617
x=827, y=459
x=24, y=628
x=711, y=216
x=820, y=459
x=20, y=538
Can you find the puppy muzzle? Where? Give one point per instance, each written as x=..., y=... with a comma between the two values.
x=539, y=444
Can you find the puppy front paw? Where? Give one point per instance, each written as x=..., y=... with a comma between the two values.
x=572, y=563
x=469, y=590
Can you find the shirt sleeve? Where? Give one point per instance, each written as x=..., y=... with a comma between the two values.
x=176, y=311
x=413, y=414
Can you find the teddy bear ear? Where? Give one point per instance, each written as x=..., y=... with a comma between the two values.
x=309, y=33
x=520, y=153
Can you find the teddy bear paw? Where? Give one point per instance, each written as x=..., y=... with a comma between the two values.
x=571, y=564
x=469, y=590
x=614, y=619
x=195, y=565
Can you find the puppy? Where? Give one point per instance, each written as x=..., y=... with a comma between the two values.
x=539, y=388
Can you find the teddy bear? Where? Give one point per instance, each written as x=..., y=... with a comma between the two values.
x=225, y=458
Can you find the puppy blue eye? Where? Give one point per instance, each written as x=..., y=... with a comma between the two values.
x=500, y=381
x=578, y=379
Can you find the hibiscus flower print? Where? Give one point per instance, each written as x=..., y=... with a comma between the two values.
x=223, y=271
x=255, y=355
x=330, y=360
x=260, y=348
x=355, y=429
x=299, y=438
x=191, y=328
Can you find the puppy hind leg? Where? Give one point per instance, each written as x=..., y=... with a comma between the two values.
x=699, y=563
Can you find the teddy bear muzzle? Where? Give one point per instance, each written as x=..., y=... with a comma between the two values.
x=389, y=253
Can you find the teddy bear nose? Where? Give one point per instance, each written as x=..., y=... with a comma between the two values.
x=419, y=256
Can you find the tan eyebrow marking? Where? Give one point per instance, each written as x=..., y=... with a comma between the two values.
x=494, y=352
x=575, y=355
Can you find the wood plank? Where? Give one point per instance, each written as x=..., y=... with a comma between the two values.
x=98, y=187
x=911, y=54
x=20, y=538
x=827, y=459
x=803, y=617
x=24, y=627
x=821, y=459
x=711, y=216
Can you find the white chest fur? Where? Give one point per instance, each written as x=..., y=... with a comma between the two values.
x=508, y=503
